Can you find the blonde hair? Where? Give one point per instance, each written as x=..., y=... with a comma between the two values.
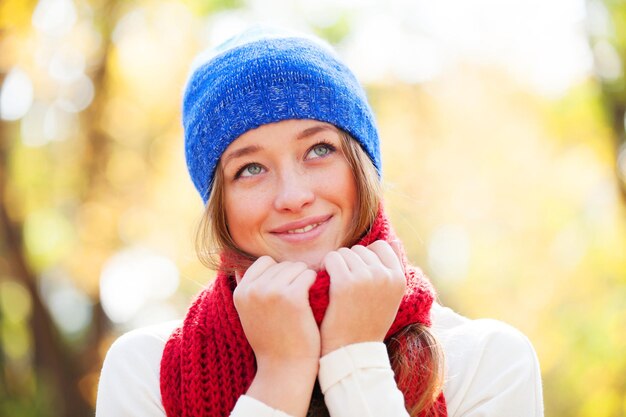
x=413, y=348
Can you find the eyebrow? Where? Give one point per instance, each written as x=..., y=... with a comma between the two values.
x=315, y=129
x=247, y=150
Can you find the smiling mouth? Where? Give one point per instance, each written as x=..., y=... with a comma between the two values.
x=303, y=229
x=301, y=226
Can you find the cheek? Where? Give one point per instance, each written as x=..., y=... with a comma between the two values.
x=237, y=211
x=340, y=185
x=245, y=212
x=350, y=189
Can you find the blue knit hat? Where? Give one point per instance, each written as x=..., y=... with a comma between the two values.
x=263, y=76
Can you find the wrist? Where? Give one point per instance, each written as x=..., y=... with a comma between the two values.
x=332, y=345
x=285, y=385
x=273, y=366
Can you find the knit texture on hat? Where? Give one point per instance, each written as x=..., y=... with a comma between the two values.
x=260, y=78
x=208, y=364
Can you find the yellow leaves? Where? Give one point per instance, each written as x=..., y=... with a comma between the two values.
x=48, y=236
x=15, y=14
x=138, y=63
x=126, y=170
x=15, y=311
x=601, y=401
x=207, y=7
x=16, y=340
x=15, y=303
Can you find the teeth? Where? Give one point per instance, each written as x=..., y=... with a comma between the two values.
x=304, y=229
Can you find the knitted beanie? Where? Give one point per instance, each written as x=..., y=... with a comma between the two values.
x=263, y=76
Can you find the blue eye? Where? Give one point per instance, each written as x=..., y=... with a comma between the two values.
x=249, y=170
x=320, y=150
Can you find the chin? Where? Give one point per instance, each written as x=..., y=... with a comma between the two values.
x=313, y=260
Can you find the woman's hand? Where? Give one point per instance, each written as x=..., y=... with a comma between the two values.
x=272, y=300
x=366, y=287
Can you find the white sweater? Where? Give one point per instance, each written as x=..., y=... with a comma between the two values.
x=491, y=370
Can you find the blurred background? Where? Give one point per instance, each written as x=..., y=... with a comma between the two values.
x=504, y=164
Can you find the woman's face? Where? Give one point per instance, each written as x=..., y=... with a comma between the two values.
x=288, y=190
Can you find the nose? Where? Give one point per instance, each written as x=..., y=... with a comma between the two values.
x=294, y=192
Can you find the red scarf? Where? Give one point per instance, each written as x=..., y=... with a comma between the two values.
x=207, y=363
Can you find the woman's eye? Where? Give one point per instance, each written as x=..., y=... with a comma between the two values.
x=320, y=150
x=250, y=170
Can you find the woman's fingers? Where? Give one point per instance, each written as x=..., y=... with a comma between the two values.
x=256, y=269
x=367, y=255
x=387, y=255
x=397, y=249
x=268, y=274
x=354, y=262
x=335, y=264
x=280, y=275
x=303, y=282
x=392, y=261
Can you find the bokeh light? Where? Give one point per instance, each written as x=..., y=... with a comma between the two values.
x=16, y=95
x=133, y=278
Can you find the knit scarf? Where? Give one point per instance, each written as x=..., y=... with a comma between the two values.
x=207, y=363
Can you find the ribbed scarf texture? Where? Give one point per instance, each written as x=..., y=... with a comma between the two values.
x=208, y=364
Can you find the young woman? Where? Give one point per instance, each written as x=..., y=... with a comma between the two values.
x=315, y=310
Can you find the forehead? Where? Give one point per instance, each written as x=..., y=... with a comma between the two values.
x=275, y=135
x=286, y=129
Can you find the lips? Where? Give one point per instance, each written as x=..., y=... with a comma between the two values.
x=301, y=226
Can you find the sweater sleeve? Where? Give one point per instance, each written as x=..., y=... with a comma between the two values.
x=247, y=407
x=493, y=371
x=129, y=383
x=129, y=379
x=357, y=380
